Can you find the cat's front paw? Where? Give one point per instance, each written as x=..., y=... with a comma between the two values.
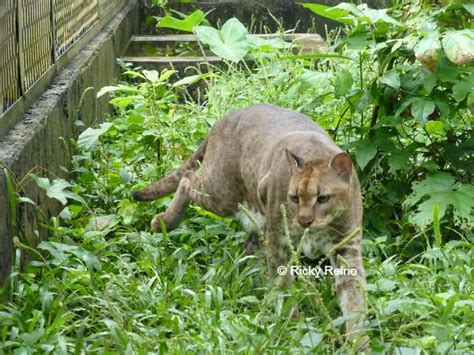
x=169, y=223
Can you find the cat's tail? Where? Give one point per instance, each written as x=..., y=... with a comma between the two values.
x=169, y=183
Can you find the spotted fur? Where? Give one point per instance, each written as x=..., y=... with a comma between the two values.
x=264, y=156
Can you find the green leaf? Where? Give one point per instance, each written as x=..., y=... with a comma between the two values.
x=88, y=139
x=392, y=79
x=421, y=108
x=440, y=188
x=120, y=88
x=59, y=189
x=403, y=350
x=166, y=74
x=230, y=42
x=187, y=24
x=462, y=89
x=61, y=252
x=342, y=83
x=192, y=79
x=311, y=339
x=365, y=150
x=427, y=51
x=266, y=44
x=333, y=13
x=152, y=75
x=459, y=46
x=435, y=127
x=97, y=223
x=470, y=102
x=124, y=101
x=469, y=8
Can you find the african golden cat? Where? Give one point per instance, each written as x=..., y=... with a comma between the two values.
x=263, y=156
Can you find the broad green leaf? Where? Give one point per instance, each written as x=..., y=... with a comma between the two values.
x=392, y=79
x=61, y=252
x=311, y=339
x=440, y=188
x=459, y=46
x=88, y=139
x=470, y=101
x=372, y=16
x=97, y=223
x=427, y=51
x=248, y=300
x=421, y=108
x=435, y=127
x=365, y=150
x=120, y=88
x=333, y=13
x=192, y=79
x=152, y=75
x=124, y=101
x=264, y=44
x=318, y=56
x=462, y=89
x=58, y=189
x=403, y=350
x=127, y=209
x=230, y=42
x=469, y=8
x=343, y=83
x=187, y=24
x=166, y=74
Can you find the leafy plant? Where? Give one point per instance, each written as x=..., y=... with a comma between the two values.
x=389, y=93
x=185, y=24
x=410, y=106
x=233, y=42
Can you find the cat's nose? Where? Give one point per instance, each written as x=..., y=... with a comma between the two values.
x=305, y=221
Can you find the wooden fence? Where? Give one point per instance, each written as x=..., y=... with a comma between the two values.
x=34, y=34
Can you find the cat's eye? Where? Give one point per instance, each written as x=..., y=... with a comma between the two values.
x=323, y=199
x=295, y=198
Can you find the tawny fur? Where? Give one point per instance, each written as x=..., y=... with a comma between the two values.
x=264, y=156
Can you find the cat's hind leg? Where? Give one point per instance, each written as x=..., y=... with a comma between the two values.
x=169, y=183
x=174, y=214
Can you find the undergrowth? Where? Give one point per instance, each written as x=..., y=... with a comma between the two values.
x=104, y=283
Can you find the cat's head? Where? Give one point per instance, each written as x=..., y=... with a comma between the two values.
x=319, y=190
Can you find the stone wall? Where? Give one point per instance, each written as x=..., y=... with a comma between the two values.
x=40, y=140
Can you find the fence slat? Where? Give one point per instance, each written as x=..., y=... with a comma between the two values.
x=35, y=39
x=9, y=80
x=72, y=19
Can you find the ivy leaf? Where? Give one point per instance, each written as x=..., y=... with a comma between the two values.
x=230, y=42
x=421, y=108
x=58, y=189
x=186, y=24
x=459, y=46
x=88, y=139
x=440, y=189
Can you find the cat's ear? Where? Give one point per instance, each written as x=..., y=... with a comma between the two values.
x=295, y=161
x=342, y=165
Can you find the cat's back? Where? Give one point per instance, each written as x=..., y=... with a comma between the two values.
x=268, y=119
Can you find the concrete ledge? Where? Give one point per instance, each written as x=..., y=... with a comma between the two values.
x=35, y=141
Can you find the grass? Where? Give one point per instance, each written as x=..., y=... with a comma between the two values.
x=104, y=283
